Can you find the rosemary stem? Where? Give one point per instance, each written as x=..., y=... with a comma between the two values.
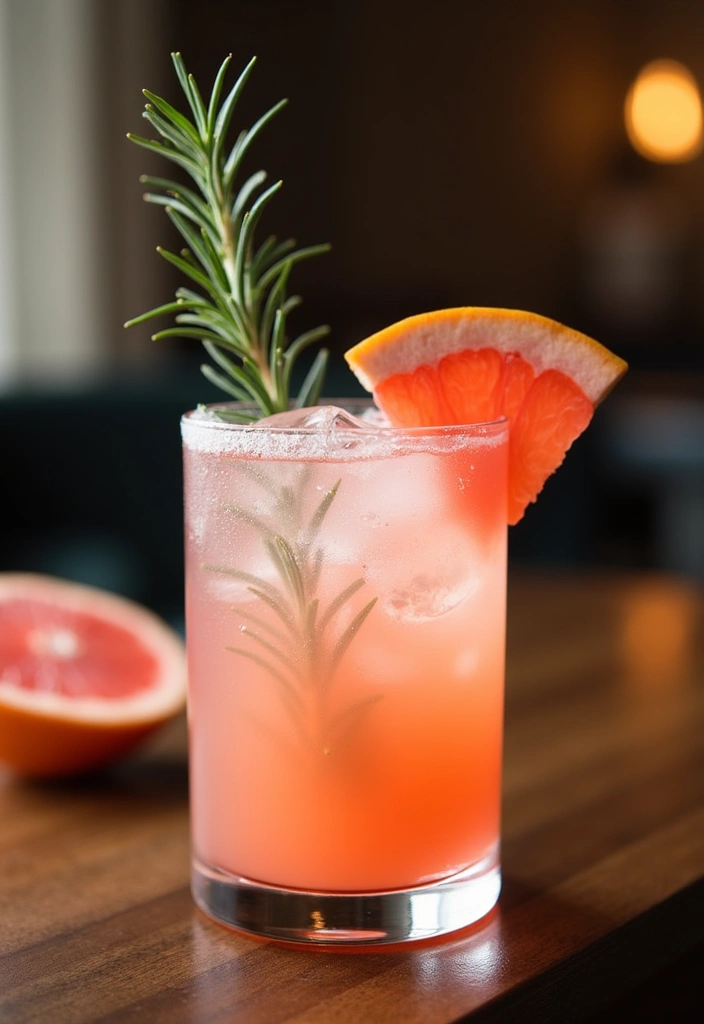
x=243, y=302
x=257, y=352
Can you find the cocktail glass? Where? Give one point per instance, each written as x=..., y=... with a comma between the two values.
x=346, y=636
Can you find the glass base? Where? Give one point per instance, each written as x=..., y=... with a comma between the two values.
x=373, y=918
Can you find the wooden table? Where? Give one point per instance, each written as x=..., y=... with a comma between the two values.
x=603, y=854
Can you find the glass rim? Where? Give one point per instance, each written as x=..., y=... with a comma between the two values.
x=194, y=419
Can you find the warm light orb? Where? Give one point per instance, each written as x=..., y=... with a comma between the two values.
x=664, y=113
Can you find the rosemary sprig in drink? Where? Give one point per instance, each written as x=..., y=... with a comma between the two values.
x=289, y=633
x=240, y=312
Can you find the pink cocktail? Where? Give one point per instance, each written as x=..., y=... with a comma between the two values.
x=346, y=633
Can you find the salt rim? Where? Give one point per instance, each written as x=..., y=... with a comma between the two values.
x=202, y=431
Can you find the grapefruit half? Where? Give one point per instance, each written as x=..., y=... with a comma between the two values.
x=475, y=364
x=84, y=675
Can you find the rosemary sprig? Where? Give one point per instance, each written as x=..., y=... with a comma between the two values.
x=240, y=312
x=303, y=657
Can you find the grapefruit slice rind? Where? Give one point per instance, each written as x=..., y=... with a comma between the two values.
x=544, y=343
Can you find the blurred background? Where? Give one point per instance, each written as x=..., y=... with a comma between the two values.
x=513, y=154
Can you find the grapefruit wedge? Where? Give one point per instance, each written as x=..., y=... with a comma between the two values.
x=84, y=675
x=474, y=364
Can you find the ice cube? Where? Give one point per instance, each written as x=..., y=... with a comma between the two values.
x=418, y=579
x=325, y=418
x=380, y=499
x=329, y=430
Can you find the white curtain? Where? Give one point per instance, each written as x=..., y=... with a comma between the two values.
x=66, y=67
x=9, y=355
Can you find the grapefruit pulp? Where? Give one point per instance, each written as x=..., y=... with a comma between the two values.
x=475, y=364
x=84, y=675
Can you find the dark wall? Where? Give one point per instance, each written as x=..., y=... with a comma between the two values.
x=452, y=152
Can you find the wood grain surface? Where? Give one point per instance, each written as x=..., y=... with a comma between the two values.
x=603, y=853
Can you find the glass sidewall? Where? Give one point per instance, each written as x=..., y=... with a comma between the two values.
x=345, y=613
